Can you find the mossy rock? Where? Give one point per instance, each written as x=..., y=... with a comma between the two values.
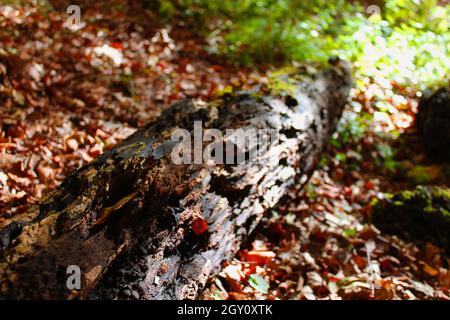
x=433, y=123
x=422, y=214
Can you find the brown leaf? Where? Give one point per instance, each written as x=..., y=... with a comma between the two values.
x=72, y=144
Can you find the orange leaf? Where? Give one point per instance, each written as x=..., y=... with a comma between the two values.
x=429, y=269
x=106, y=212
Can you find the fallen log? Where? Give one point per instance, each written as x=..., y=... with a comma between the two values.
x=140, y=226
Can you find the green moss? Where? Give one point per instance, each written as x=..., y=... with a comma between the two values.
x=443, y=193
x=375, y=201
x=388, y=195
x=445, y=213
x=139, y=147
x=108, y=168
x=407, y=195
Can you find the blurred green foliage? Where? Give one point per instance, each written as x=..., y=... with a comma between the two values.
x=405, y=40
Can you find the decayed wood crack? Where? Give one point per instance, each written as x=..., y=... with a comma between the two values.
x=130, y=219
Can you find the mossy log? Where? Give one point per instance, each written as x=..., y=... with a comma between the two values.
x=422, y=214
x=141, y=227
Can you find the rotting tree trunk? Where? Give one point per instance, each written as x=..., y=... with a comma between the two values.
x=130, y=218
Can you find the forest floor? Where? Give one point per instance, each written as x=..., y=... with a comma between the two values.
x=68, y=96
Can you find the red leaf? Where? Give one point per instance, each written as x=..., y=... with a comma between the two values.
x=369, y=185
x=216, y=67
x=259, y=257
x=359, y=261
x=117, y=45
x=199, y=226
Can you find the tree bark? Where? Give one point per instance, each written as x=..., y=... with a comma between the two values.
x=139, y=226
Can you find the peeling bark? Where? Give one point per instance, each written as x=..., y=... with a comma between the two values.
x=130, y=218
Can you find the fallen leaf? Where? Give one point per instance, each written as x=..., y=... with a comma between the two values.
x=72, y=144
x=259, y=257
x=258, y=283
x=429, y=269
x=106, y=212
